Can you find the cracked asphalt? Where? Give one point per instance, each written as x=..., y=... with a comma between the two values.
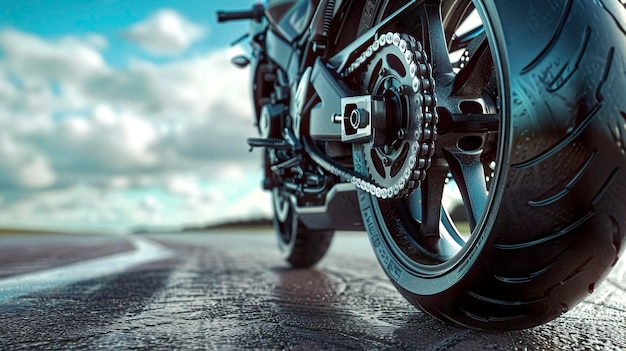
x=228, y=289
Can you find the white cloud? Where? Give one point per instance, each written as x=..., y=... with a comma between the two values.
x=255, y=205
x=96, y=41
x=40, y=76
x=70, y=74
x=116, y=142
x=36, y=173
x=123, y=145
x=36, y=60
x=182, y=184
x=165, y=32
x=82, y=205
x=22, y=165
x=119, y=182
x=174, y=114
x=199, y=87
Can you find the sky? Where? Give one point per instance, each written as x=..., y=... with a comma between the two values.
x=118, y=114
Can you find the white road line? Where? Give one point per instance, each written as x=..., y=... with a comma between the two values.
x=24, y=284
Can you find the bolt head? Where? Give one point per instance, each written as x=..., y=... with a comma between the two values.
x=358, y=118
x=401, y=133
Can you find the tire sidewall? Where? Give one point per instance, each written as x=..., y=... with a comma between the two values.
x=390, y=256
x=555, y=117
x=284, y=220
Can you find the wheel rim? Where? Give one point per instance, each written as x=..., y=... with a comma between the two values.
x=430, y=237
x=283, y=216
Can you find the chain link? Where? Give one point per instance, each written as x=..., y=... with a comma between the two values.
x=421, y=144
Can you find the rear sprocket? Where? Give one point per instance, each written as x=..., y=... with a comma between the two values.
x=399, y=73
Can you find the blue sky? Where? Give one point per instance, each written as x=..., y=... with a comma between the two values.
x=53, y=19
x=116, y=114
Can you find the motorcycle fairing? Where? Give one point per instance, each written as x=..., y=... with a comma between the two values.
x=290, y=18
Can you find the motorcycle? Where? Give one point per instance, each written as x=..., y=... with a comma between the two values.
x=381, y=115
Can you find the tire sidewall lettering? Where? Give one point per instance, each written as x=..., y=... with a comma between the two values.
x=392, y=267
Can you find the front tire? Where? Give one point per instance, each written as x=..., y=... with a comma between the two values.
x=300, y=246
x=551, y=224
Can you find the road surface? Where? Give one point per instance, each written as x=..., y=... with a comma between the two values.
x=229, y=290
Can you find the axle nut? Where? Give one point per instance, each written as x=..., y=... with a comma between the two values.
x=358, y=118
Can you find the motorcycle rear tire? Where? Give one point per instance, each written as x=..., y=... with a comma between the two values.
x=555, y=219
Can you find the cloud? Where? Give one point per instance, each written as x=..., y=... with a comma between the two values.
x=164, y=33
x=36, y=60
x=70, y=74
x=40, y=76
x=144, y=117
x=195, y=203
x=116, y=141
x=199, y=87
x=36, y=173
x=82, y=140
x=22, y=165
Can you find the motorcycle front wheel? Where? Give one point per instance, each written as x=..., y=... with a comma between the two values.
x=300, y=246
x=543, y=190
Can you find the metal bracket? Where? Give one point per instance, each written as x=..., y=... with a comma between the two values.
x=361, y=116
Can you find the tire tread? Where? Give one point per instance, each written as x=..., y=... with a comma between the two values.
x=548, y=246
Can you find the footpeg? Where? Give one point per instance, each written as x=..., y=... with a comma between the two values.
x=271, y=143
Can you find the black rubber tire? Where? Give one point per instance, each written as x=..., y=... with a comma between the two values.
x=299, y=246
x=554, y=221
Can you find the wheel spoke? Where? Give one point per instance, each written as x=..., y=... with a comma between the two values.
x=472, y=79
x=462, y=41
x=454, y=18
x=431, y=191
x=468, y=172
x=467, y=123
x=434, y=38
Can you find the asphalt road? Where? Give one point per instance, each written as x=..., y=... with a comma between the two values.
x=230, y=290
